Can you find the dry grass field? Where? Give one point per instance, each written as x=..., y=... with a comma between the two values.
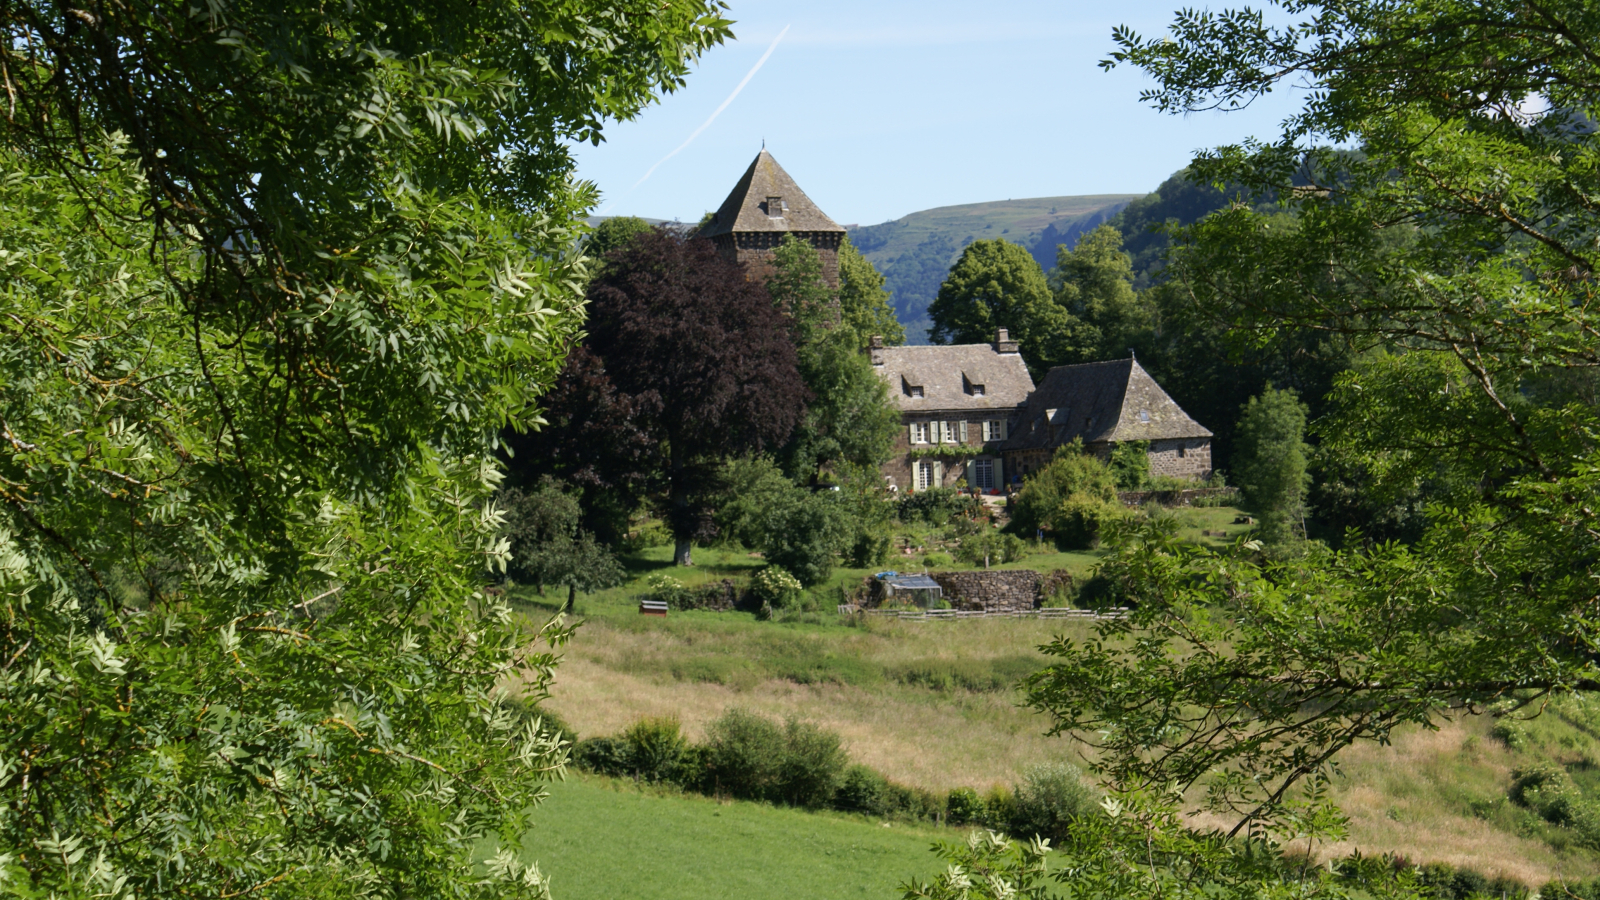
x=933, y=704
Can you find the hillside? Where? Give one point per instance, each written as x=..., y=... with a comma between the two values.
x=915, y=251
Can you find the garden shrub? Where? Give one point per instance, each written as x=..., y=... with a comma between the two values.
x=775, y=588
x=668, y=589
x=1548, y=791
x=913, y=803
x=870, y=549
x=1049, y=799
x=935, y=506
x=863, y=790
x=751, y=487
x=652, y=534
x=963, y=806
x=1070, y=499
x=991, y=548
x=656, y=747
x=936, y=560
x=1000, y=807
x=809, y=770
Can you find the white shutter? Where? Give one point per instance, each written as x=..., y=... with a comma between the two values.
x=972, y=474
x=911, y=437
x=963, y=429
x=938, y=474
x=1001, y=424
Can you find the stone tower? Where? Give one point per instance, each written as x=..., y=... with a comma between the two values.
x=765, y=205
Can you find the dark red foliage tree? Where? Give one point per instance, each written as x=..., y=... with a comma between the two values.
x=686, y=365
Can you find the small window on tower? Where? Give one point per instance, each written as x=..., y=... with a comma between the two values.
x=774, y=206
x=1144, y=415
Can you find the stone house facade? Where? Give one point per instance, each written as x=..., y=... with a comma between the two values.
x=765, y=205
x=1102, y=404
x=957, y=405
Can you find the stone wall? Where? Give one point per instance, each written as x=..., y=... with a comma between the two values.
x=1181, y=458
x=993, y=590
x=754, y=251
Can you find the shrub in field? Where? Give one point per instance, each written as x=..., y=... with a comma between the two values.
x=861, y=789
x=657, y=748
x=1000, y=807
x=913, y=803
x=605, y=755
x=812, y=764
x=775, y=587
x=1071, y=499
x=870, y=548
x=1049, y=799
x=805, y=534
x=937, y=560
x=963, y=806
x=742, y=755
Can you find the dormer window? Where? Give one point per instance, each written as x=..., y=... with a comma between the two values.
x=914, y=391
x=1144, y=416
x=972, y=387
x=775, y=207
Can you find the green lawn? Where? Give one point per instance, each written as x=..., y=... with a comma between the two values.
x=605, y=840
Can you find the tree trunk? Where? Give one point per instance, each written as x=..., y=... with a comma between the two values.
x=679, y=502
x=572, y=597
x=681, y=554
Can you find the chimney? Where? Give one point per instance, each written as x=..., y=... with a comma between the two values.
x=1003, y=342
x=875, y=348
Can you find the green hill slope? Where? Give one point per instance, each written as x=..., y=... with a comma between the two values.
x=915, y=251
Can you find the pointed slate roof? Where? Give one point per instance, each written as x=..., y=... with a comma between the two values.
x=746, y=208
x=1102, y=401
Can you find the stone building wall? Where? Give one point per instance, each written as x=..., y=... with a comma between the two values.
x=753, y=250
x=1181, y=458
x=994, y=590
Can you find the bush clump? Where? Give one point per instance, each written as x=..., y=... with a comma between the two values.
x=935, y=506
x=657, y=749
x=775, y=587
x=753, y=758
x=806, y=533
x=991, y=548
x=1070, y=500
x=862, y=790
x=963, y=806
x=1049, y=800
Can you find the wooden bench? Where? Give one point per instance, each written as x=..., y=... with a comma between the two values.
x=652, y=607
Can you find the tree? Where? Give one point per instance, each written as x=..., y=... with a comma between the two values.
x=611, y=235
x=997, y=284
x=1457, y=248
x=548, y=546
x=1070, y=499
x=276, y=276
x=1270, y=466
x=805, y=534
x=706, y=360
x=864, y=307
x=850, y=419
x=1094, y=282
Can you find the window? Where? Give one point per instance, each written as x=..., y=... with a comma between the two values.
x=1144, y=415
x=1182, y=451
x=919, y=433
x=924, y=475
x=775, y=206
x=983, y=474
x=916, y=391
x=994, y=430
x=949, y=432
x=977, y=390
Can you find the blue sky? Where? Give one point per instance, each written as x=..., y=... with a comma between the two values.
x=886, y=107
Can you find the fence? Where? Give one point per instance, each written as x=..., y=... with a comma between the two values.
x=922, y=615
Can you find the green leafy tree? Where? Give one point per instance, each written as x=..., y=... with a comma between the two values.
x=997, y=284
x=1094, y=282
x=549, y=547
x=276, y=276
x=850, y=418
x=1270, y=464
x=611, y=235
x=864, y=307
x=1459, y=243
x=806, y=534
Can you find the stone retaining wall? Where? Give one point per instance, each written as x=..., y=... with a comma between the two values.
x=993, y=590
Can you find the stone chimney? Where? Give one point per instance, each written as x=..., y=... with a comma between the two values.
x=1003, y=342
x=875, y=348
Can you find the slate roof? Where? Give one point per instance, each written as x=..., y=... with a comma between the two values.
x=949, y=374
x=1102, y=401
x=746, y=209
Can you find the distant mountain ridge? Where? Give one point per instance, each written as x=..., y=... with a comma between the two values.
x=915, y=251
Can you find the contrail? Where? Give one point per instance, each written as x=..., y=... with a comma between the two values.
x=707, y=124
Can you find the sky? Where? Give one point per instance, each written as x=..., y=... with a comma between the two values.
x=879, y=108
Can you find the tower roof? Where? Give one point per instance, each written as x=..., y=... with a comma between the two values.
x=766, y=199
x=1115, y=400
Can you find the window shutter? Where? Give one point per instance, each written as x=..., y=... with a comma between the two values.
x=972, y=474
x=911, y=437
x=938, y=474
x=963, y=431
x=999, y=474
x=1001, y=426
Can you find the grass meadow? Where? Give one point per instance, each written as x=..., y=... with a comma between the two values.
x=600, y=839
x=934, y=705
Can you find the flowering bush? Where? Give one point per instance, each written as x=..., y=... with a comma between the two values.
x=775, y=586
